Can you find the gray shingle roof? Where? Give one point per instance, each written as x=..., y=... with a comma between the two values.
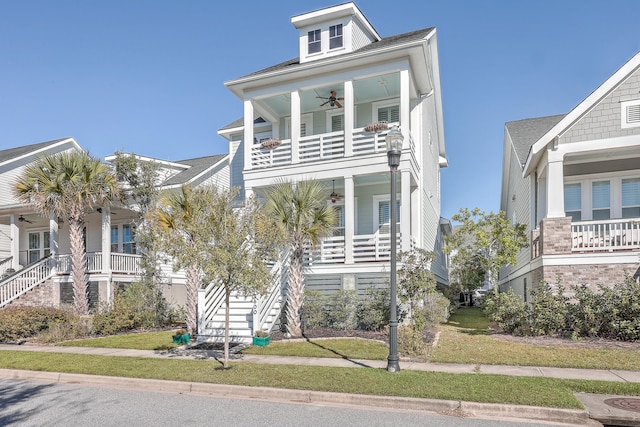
x=197, y=166
x=524, y=133
x=12, y=153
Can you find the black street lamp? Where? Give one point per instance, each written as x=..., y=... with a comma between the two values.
x=394, y=142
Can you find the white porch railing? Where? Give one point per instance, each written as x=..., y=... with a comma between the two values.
x=120, y=263
x=319, y=147
x=607, y=235
x=267, y=309
x=366, y=248
x=24, y=280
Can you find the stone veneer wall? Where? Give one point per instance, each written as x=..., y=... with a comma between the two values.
x=589, y=275
x=555, y=236
x=42, y=295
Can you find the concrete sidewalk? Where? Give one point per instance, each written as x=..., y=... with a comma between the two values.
x=608, y=409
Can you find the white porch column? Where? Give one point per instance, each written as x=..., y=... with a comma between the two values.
x=295, y=127
x=54, y=238
x=349, y=115
x=405, y=111
x=555, y=185
x=15, y=243
x=349, y=219
x=106, y=248
x=248, y=133
x=405, y=210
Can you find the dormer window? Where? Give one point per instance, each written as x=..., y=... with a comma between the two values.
x=335, y=36
x=314, y=38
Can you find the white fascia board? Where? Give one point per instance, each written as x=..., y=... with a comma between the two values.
x=73, y=142
x=601, y=258
x=432, y=58
x=226, y=133
x=112, y=157
x=587, y=104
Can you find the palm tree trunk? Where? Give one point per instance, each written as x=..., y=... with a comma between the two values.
x=191, y=302
x=295, y=293
x=78, y=268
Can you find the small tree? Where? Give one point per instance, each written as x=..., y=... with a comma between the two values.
x=490, y=238
x=415, y=283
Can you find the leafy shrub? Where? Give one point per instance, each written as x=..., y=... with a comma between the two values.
x=549, y=311
x=63, y=330
x=342, y=309
x=436, y=309
x=136, y=307
x=373, y=310
x=507, y=309
x=18, y=323
x=411, y=342
x=313, y=310
x=591, y=312
x=625, y=322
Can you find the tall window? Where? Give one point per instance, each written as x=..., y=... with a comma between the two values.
x=339, y=229
x=384, y=215
x=313, y=40
x=128, y=239
x=335, y=36
x=38, y=246
x=114, y=238
x=337, y=122
x=573, y=201
x=631, y=198
x=601, y=200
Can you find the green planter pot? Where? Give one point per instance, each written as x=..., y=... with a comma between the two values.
x=262, y=341
x=181, y=339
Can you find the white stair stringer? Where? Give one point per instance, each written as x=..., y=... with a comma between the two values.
x=246, y=314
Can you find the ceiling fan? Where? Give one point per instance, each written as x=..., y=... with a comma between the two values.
x=23, y=219
x=334, y=196
x=332, y=100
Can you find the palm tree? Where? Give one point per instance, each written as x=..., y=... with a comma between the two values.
x=66, y=185
x=303, y=217
x=176, y=217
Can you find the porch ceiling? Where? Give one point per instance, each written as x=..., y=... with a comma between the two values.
x=365, y=90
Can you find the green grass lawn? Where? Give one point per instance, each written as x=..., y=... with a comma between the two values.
x=139, y=341
x=341, y=348
x=464, y=339
x=548, y=392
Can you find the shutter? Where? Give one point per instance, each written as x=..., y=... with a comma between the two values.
x=337, y=123
x=303, y=129
x=394, y=113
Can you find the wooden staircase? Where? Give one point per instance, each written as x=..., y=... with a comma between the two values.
x=246, y=315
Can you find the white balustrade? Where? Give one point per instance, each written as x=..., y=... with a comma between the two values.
x=607, y=235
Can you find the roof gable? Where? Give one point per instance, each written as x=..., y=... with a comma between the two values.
x=12, y=154
x=524, y=133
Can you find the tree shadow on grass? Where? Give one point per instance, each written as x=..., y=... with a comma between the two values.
x=337, y=353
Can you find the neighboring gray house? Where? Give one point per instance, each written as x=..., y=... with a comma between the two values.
x=574, y=179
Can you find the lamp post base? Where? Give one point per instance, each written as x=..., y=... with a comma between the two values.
x=393, y=365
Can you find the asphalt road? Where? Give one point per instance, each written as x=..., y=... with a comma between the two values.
x=24, y=403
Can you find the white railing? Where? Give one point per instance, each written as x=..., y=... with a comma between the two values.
x=321, y=147
x=608, y=235
x=263, y=307
x=373, y=247
x=120, y=263
x=5, y=265
x=24, y=280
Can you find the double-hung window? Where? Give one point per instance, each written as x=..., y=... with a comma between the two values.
x=335, y=36
x=389, y=114
x=573, y=201
x=631, y=198
x=600, y=200
x=314, y=44
x=384, y=215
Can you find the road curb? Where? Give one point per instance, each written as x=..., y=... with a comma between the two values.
x=446, y=407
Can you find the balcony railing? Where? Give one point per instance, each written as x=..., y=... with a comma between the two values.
x=319, y=147
x=366, y=248
x=120, y=263
x=608, y=235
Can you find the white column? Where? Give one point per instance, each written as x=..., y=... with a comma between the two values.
x=248, y=133
x=349, y=115
x=405, y=210
x=295, y=127
x=106, y=248
x=53, y=241
x=15, y=243
x=349, y=218
x=555, y=185
x=405, y=110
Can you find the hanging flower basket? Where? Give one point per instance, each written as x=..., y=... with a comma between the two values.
x=376, y=127
x=271, y=143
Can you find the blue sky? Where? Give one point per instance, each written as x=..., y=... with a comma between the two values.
x=148, y=76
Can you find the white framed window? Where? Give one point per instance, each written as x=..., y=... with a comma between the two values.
x=630, y=113
x=38, y=246
x=631, y=198
x=382, y=213
x=339, y=228
x=261, y=136
x=123, y=238
x=335, y=36
x=335, y=121
x=386, y=111
x=314, y=41
x=573, y=201
x=600, y=200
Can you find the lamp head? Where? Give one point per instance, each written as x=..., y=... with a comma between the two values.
x=394, y=141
